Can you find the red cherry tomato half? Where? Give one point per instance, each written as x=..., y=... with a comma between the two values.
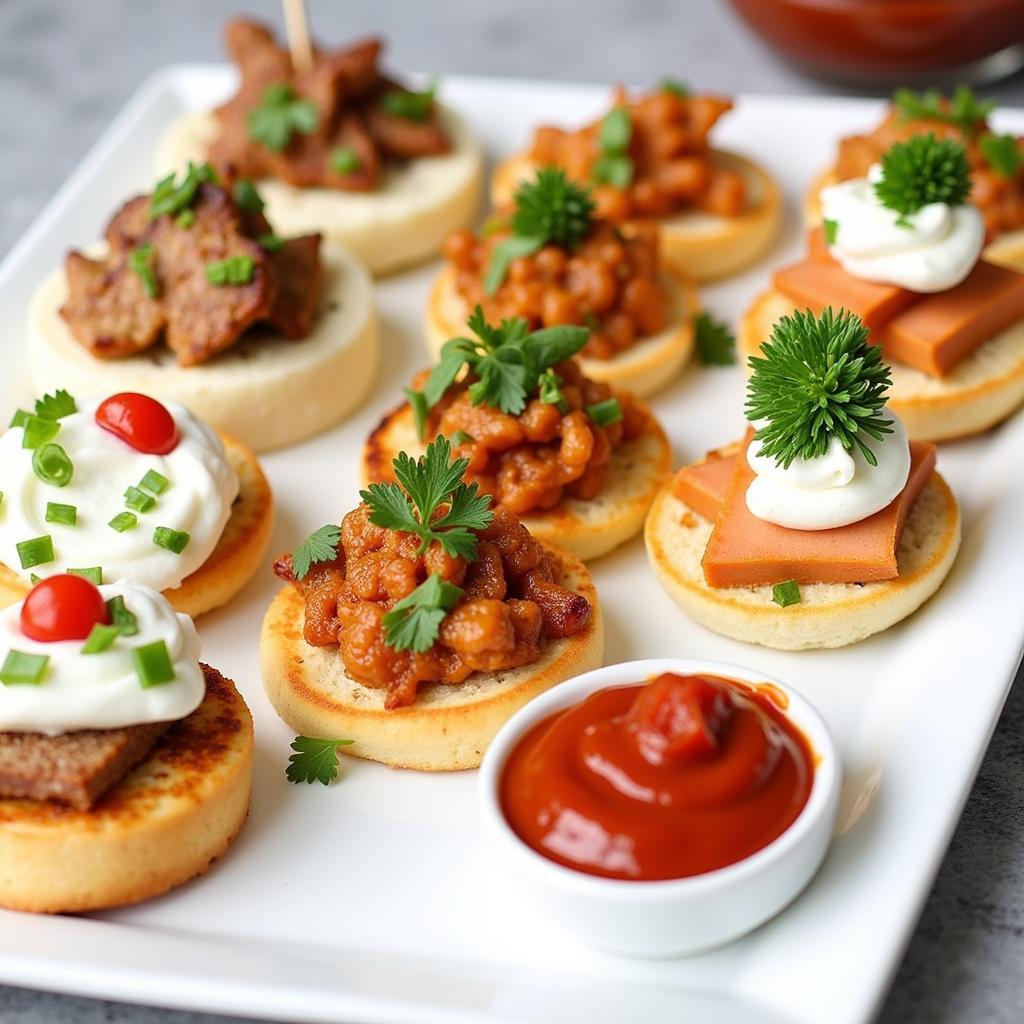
x=63, y=608
x=140, y=421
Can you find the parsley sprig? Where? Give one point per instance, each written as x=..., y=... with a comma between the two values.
x=414, y=624
x=314, y=760
x=818, y=378
x=923, y=170
x=431, y=501
x=551, y=209
x=320, y=546
x=1002, y=153
x=280, y=115
x=963, y=109
x=716, y=344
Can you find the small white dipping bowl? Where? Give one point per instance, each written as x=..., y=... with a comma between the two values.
x=677, y=916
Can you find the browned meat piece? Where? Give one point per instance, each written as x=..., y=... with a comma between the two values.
x=128, y=226
x=404, y=139
x=341, y=77
x=299, y=274
x=76, y=768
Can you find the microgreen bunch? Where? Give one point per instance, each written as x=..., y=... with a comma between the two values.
x=923, y=170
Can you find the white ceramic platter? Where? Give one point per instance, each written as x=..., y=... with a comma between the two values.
x=377, y=900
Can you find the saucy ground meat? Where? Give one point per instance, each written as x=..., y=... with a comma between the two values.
x=529, y=462
x=1000, y=199
x=511, y=607
x=672, y=168
x=609, y=283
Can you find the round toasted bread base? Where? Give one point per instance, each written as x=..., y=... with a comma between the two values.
x=586, y=529
x=1007, y=249
x=402, y=223
x=449, y=727
x=164, y=823
x=703, y=246
x=829, y=614
x=267, y=390
x=234, y=560
x=979, y=392
x=644, y=368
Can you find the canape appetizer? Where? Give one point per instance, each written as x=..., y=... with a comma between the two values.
x=901, y=248
x=423, y=622
x=825, y=524
x=342, y=148
x=125, y=763
x=129, y=487
x=996, y=161
x=193, y=298
x=551, y=260
x=649, y=158
x=578, y=462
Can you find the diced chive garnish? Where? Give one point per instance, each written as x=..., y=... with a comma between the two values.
x=19, y=418
x=247, y=196
x=173, y=540
x=186, y=218
x=233, y=270
x=121, y=617
x=787, y=593
x=20, y=668
x=124, y=521
x=154, y=482
x=831, y=229
x=38, y=430
x=140, y=262
x=153, y=664
x=37, y=551
x=93, y=573
x=605, y=413
x=100, y=638
x=270, y=242
x=58, y=513
x=138, y=500
x=53, y=465
x=344, y=160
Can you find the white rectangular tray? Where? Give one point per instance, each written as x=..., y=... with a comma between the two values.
x=376, y=900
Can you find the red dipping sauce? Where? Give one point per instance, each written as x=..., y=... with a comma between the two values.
x=676, y=777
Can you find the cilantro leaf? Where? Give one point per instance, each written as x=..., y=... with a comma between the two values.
x=963, y=110
x=716, y=344
x=507, y=250
x=171, y=197
x=56, y=406
x=502, y=382
x=1002, y=153
x=280, y=115
x=614, y=166
x=320, y=546
x=314, y=760
x=415, y=621
x=553, y=345
x=409, y=104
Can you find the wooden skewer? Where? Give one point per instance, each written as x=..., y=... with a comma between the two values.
x=297, y=26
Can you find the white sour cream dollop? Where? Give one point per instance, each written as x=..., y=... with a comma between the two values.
x=934, y=252
x=202, y=487
x=835, y=489
x=103, y=691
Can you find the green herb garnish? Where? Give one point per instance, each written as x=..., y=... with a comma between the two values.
x=785, y=594
x=551, y=209
x=37, y=430
x=94, y=574
x=605, y=413
x=281, y=114
x=831, y=230
x=100, y=638
x=247, y=196
x=171, y=197
x=154, y=482
x=614, y=165
x=121, y=617
x=20, y=668
x=140, y=262
x=172, y=540
x=675, y=87
x=124, y=521
x=818, y=378
x=920, y=171
x=716, y=344
x=413, y=106
x=153, y=664
x=431, y=501
x=58, y=513
x=53, y=465
x=415, y=622
x=233, y=270
x=55, y=406
x=138, y=500
x=460, y=437
x=185, y=219
x=37, y=551
x=314, y=760
x=270, y=242
x=1002, y=153
x=963, y=110
x=320, y=546
x=344, y=160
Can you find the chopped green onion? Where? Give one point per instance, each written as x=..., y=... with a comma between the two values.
x=233, y=270
x=140, y=262
x=121, y=617
x=20, y=418
x=34, y=579
x=94, y=574
x=173, y=540
x=605, y=413
x=37, y=551
x=270, y=242
x=153, y=664
x=38, y=431
x=831, y=229
x=57, y=513
x=170, y=197
x=154, y=482
x=785, y=594
x=20, y=668
x=100, y=638
x=344, y=160
x=247, y=196
x=138, y=501
x=53, y=465
x=124, y=521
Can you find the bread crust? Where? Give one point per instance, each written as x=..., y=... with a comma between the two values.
x=703, y=246
x=234, y=560
x=448, y=727
x=164, y=823
x=829, y=615
x=644, y=369
x=979, y=392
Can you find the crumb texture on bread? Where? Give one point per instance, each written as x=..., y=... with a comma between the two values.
x=829, y=614
x=269, y=391
x=164, y=823
x=400, y=224
x=448, y=727
x=233, y=561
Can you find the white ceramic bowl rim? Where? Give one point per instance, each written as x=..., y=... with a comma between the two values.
x=572, y=691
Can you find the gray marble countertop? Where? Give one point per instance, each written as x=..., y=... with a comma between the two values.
x=67, y=67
